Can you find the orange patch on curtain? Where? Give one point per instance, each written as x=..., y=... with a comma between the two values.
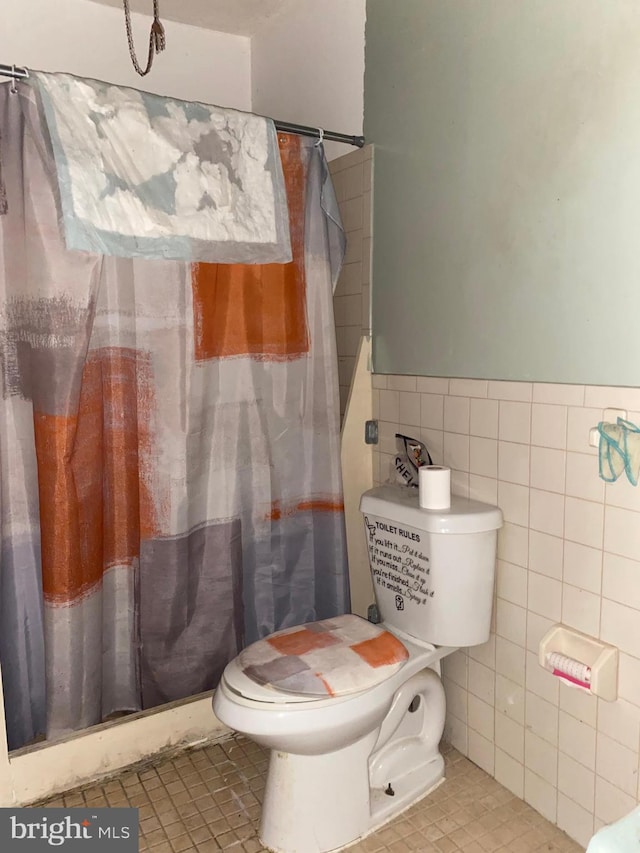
x=257, y=309
x=383, y=650
x=322, y=505
x=96, y=499
x=301, y=642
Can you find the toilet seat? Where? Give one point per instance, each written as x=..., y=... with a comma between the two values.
x=313, y=725
x=331, y=658
x=250, y=694
x=235, y=680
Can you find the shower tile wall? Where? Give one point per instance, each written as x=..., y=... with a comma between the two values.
x=351, y=176
x=569, y=552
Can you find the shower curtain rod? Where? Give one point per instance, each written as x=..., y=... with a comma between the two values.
x=284, y=126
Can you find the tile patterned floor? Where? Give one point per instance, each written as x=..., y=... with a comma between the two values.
x=208, y=799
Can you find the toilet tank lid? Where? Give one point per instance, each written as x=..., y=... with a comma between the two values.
x=400, y=504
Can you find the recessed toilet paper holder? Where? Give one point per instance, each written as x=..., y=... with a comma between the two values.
x=581, y=661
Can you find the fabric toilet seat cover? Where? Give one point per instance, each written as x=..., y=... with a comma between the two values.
x=334, y=657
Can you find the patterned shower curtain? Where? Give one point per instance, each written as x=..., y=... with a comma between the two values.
x=170, y=486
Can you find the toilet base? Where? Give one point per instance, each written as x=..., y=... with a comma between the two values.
x=317, y=803
x=322, y=803
x=408, y=789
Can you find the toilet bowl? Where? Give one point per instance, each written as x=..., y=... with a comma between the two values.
x=351, y=712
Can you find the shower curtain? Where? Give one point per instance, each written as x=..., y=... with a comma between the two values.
x=170, y=486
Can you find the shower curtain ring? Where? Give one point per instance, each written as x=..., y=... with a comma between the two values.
x=14, y=87
x=320, y=136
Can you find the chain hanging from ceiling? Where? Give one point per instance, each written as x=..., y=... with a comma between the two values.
x=157, y=40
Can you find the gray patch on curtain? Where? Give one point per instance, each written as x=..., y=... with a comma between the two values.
x=4, y=204
x=333, y=242
x=22, y=640
x=191, y=614
x=120, y=676
x=296, y=575
x=91, y=655
x=41, y=349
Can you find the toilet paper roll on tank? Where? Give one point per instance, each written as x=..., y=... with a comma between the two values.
x=434, y=487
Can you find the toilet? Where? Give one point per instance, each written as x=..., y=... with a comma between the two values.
x=623, y=836
x=353, y=712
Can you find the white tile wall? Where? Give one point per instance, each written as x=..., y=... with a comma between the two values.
x=569, y=552
x=352, y=180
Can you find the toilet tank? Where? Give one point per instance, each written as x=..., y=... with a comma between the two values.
x=433, y=570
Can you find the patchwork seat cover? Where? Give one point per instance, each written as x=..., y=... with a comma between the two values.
x=333, y=657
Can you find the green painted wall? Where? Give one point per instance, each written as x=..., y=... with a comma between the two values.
x=506, y=188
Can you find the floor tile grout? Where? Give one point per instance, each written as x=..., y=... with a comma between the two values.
x=208, y=799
